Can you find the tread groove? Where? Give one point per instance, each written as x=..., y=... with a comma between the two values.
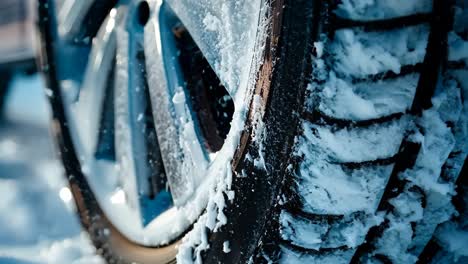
x=405, y=159
x=293, y=210
x=436, y=53
x=431, y=249
x=404, y=70
x=303, y=250
x=382, y=24
x=457, y=65
x=377, y=162
x=319, y=118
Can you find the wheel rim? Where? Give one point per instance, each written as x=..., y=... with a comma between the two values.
x=119, y=52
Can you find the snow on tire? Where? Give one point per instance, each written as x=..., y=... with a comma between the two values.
x=382, y=75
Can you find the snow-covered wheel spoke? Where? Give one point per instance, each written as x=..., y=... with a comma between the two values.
x=192, y=110
x=90, y=98
x=137, y=151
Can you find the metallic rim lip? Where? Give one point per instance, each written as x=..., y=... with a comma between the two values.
x=201, y=209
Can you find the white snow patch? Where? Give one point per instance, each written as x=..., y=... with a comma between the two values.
x=381, y=9
x=349, y=231
x=226, y=248
x=354, y=144
x=359, y=53
x=211, y=22
x=458, y=48
x=344, y=100
x=454, y=239
x=327, y=188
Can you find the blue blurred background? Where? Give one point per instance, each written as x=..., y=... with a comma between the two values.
x=37, y=219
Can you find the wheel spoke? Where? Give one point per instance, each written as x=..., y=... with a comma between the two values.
x=91, y=96
x=225, y=33
x=221, y=28
x=137, y=150
x=184, y=157
x=71, y=15
x=79, y=20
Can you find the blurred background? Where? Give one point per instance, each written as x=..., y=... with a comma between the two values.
x=37, y=220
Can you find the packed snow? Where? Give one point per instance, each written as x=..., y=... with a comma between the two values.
x=381, y=9
x=359, y=53
x=368, y=100
x=327, y=186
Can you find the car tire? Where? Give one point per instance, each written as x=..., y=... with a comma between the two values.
x=354, y=147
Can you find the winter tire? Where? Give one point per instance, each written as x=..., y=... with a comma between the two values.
x=282, y=131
